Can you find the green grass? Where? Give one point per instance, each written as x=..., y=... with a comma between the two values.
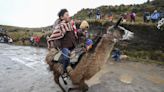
x=148, y=61
x=151, y=55
x=23, y=34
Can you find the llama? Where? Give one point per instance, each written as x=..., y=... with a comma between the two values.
x=90, y=63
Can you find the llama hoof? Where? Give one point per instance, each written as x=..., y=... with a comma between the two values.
x=69, y=90
x=85, y=89
x=65, y=82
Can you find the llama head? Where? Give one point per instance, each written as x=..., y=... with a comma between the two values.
x=119, y=32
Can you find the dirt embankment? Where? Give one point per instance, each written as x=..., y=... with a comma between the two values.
x=148, y=42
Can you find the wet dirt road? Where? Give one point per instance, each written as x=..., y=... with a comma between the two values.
x=22, y=69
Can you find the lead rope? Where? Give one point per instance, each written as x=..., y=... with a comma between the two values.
x=63, y=53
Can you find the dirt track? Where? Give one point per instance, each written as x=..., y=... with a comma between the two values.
x=22, y=69
x=130, y=77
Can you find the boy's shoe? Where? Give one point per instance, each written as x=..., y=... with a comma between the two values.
x=65, y=76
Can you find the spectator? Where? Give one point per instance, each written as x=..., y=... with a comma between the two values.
x=37, y=41
x=155, y=16
x=125, y=16
x=90, y=13
x=116, y=54
x=10, y=40
x=23, y=41
x=133, y=17
x=110, y=16
x=146, y=17
x=32, y=40
x=98, y=14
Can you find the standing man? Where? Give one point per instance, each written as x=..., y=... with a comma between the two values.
x=98, y=15
x=110, y=16
x=155, y=16
x=133, y=16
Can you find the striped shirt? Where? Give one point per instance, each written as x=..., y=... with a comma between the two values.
x=60, y=30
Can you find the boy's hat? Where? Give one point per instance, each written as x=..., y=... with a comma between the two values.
x=155, y=11
x=84, y=25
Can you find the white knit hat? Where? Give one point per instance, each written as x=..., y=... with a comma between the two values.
x=84, y=25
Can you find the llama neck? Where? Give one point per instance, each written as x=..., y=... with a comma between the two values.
x=91, y=63
x=103, y=50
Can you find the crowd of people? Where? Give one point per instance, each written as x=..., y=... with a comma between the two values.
x=6, y=39
x=125, y=16
x=34, y=40
x=147, y=16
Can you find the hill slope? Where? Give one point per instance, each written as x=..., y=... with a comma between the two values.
x=117, y=10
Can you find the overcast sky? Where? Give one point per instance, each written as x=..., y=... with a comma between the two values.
x=40, y=13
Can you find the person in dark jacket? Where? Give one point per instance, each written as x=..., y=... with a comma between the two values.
x=98, y=14
x=155, y=16
x=116, y=54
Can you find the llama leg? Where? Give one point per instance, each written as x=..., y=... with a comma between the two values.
x=50, y=67
x=56, y=78
x=64, y=80
x=84, y=87
x=75, y=88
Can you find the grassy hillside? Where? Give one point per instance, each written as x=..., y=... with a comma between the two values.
x=17, y=33
x=121, y=9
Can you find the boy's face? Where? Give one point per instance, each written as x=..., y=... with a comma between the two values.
x=66, y=17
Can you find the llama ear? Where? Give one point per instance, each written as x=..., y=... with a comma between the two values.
x=110, y=28
x=118, y=22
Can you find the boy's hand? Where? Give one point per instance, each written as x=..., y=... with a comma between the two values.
x=89, y=47
x=84, y=49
